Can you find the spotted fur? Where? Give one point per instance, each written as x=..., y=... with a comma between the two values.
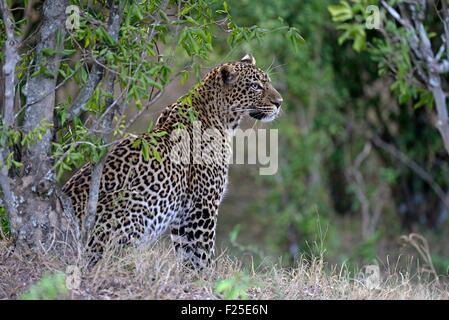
x=140, y=198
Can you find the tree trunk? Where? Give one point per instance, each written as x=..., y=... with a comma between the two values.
x=38, y=223
x=11, y=58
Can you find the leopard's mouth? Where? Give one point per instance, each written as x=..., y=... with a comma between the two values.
x=265, y=115
x=259, y=115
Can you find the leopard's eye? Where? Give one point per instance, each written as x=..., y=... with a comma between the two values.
x=255, y=86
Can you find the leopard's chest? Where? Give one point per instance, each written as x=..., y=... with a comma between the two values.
x=208, y=184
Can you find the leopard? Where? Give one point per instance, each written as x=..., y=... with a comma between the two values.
x=144, y=193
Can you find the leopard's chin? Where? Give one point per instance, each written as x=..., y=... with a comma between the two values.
x=270, y=117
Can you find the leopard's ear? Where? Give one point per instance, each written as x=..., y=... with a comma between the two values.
x=228, y=74
x=249, y=59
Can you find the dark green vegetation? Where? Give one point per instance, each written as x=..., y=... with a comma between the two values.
x=361, y=162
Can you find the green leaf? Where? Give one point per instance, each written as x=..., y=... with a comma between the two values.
x=340, y=12
x=104, y=35
x=425, y=99
x=49, y=52
x=163, y=15
x=68, y=52
x=153, y=83
x=145, y=150
x=41, y=70
x=191, y=20
x=295, y=38
x=157, y=155
x=359, y=41
x=184, y=74
x=136, y=143
x=150, y=126
x=159, y=134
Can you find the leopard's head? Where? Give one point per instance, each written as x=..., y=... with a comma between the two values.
x=247, y=89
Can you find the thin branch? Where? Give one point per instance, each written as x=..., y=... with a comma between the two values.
x=144, y=108
x=415, y=167
x=115, y=18
x=371, y=207
x=446, y=24
x=27, y=16
x=393, y=13
x=86, y=92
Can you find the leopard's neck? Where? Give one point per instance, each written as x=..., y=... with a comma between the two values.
x=209, y=107
x=215, y=110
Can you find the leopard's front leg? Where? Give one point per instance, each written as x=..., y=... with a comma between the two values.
x=193, y=235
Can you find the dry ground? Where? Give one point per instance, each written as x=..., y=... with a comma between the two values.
x=155, y=273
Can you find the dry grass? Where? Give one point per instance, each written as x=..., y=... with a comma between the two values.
x=155, y=273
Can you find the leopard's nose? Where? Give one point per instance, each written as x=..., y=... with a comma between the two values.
x=277, y=102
